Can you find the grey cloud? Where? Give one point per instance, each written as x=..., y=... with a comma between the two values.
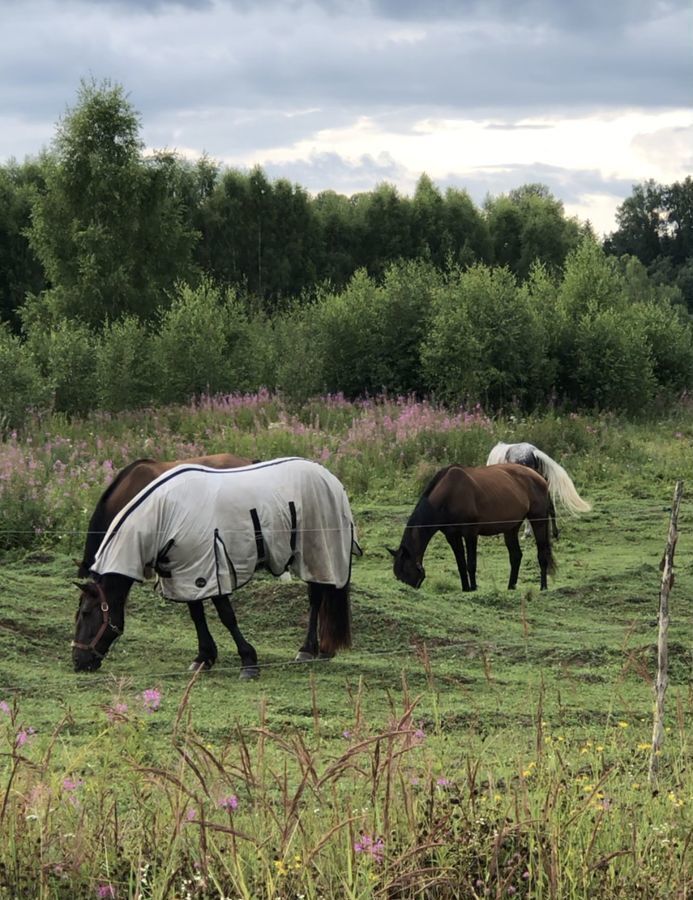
x=570, y=185
x=324, y=171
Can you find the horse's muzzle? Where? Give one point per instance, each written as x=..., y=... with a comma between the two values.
x=85, y=661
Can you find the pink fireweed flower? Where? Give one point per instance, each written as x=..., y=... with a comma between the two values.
x=70, y=785
x=229, y=803
x=23, y=736
x=373, y=847
x=106, y=892
x=151, y=699
x=116, y=712
x=4, y=707
x=443, y=782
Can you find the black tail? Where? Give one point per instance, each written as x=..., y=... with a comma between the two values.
x=334, y=622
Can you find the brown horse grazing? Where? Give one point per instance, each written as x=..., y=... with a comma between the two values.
x=206, y=532
x=126, y=485
x=465, y=502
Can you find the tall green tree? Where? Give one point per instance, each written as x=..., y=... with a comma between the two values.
x=529, y=225
x=20, y=270
x=108, y=227
x=641, y=220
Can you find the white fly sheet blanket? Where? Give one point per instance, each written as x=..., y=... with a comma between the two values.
x=205, y=531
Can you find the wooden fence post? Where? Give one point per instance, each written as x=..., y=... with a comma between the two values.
x=662, y=680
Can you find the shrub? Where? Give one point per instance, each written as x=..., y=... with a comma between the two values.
x=124, y=366
x=22, y=385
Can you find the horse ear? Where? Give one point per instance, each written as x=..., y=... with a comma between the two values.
x=391, y=551
x=86, y=588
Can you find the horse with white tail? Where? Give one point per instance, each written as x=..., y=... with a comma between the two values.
x=561, y=487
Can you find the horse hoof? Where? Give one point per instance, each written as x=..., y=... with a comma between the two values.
x=325, y=656
x=249, y=672
x=205, y=665
x=303, y=656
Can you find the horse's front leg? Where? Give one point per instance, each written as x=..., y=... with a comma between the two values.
x=455, y=541
x=206, y=648
x=471, y=541
x=512, y=542
x=246, y=651
x=311, y=645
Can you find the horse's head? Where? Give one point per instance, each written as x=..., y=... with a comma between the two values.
x=99, y=621
x=406, y=567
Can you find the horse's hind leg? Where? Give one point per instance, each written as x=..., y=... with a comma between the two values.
x=544, y=554
x=512, y=542
x=206, y=648
x=552, y=516
x=246, y=651
x=310, y=647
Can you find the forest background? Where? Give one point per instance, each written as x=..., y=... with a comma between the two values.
x=129, y=279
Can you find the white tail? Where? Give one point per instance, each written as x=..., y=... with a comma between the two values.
x=498, y=454
x=561, y=487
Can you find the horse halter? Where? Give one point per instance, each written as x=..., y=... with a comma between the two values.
x=103, y=628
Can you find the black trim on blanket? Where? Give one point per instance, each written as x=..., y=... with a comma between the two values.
x=162, y=559
x=218, y=539
x=259, y=540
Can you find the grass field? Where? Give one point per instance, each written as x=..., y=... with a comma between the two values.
x=469, y=745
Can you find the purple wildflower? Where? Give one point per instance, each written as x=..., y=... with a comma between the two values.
x=117, y=711
x=106, y=892
x=4, y=707
x=230, y=803
x=70, y=785
x=151, y=699
x=23, y=736
x=373, y=847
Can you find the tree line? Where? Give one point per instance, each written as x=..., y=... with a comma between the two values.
x=128, y=279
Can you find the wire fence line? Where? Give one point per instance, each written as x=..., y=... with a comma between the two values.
x=80, y=532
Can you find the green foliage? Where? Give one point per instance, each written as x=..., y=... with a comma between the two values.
x=107, y=226
x=20, y=270
x=528, y=225
x=124, y=365
x=206, y=342
x=23, y=389
x=485, y=341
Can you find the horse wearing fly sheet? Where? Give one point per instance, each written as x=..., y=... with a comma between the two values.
x=561, y=487
x=127, y=484
x=206, y=531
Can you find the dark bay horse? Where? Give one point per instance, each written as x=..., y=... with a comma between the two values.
x=206, y=531
x=465, y=502
x=126, y=485
x=561, y=487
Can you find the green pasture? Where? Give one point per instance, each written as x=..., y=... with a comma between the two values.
x=514, y=698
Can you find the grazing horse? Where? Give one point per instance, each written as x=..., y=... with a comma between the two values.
x=129, y=482
x=205, y=532
x=561, y=487
x=467, y=501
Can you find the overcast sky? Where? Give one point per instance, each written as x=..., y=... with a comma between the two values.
x=586, y=96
